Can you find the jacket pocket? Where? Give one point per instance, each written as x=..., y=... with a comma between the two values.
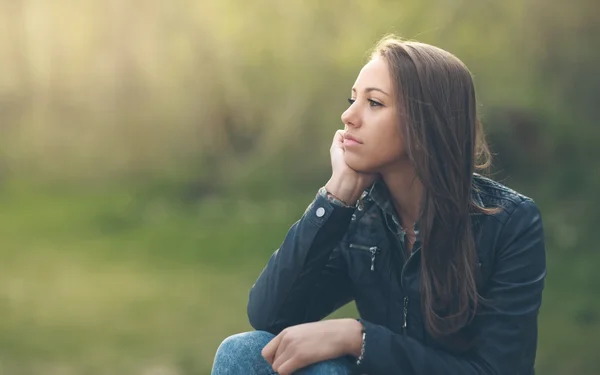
x=364, y=263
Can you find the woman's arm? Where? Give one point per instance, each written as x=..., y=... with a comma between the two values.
x=507, y=324
x=306, y=278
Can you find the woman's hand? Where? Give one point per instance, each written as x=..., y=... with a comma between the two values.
x=302, y=345
x=346, y=183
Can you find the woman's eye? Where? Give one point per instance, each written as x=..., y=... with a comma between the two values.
x=372, y=103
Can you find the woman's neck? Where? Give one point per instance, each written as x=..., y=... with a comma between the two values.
x=406, y=191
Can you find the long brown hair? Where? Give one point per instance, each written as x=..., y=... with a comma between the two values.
x=444, y=140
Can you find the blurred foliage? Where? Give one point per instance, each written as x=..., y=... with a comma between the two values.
x=136, y=134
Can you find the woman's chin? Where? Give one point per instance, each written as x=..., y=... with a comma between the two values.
x=358, y=164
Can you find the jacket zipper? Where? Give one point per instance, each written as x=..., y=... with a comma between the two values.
x=404, y=323
x=374, y=250
x=405, y=309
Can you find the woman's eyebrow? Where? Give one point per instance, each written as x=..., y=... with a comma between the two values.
x=369, y=89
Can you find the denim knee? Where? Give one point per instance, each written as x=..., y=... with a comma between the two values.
x=241, y=354
x=336, y=366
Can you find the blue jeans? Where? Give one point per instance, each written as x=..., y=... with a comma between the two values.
x=241, y=355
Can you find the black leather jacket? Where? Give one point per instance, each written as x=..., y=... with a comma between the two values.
x=333, y=255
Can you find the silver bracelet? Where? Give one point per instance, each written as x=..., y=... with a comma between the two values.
x=333, y=199
x=362, y=346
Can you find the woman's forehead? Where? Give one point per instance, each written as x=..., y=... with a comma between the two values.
x=375, y=74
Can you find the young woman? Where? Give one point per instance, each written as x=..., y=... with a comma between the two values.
x=446, y=267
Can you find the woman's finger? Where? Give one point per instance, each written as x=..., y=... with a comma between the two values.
x=281, y=358
x=338, y=138
x=289, y=366
x=281, y=353
x=270, y=349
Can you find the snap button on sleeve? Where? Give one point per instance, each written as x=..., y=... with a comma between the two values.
x=320, y=212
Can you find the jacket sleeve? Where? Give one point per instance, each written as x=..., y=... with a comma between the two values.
x=506, y=323
x=306, y=278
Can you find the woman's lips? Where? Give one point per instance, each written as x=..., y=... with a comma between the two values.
x=350, y=142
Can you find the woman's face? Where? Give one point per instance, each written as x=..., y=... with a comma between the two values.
x=372, y=119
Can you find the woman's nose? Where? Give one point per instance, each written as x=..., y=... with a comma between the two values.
x=350, y=117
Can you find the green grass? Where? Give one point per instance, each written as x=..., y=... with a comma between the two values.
x=119, y=283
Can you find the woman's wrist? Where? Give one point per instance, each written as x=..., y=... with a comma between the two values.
x=355, y=338
x=346, y=191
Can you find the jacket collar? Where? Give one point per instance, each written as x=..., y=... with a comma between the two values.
x=380, y=194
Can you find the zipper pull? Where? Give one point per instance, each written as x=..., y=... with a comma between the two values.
x=404, y=324
x=373, y=251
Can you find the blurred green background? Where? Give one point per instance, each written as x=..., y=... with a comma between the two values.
x=155, y=153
